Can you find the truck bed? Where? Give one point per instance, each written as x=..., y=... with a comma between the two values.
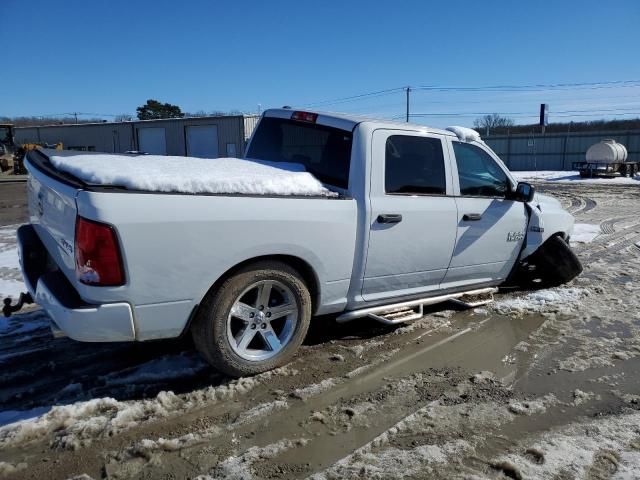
x=179, y=175
x=175, y=246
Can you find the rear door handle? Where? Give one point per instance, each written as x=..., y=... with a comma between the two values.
x=472, y=217
x=389, y=218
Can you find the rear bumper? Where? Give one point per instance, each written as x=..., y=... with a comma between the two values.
x=109, y=322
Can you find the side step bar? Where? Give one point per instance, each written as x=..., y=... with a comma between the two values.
x=395, y=313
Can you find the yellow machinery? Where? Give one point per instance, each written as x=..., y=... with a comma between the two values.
x=7, y=148
x=12, y=154
x=21, y=152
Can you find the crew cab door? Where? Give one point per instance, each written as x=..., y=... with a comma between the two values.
x=413, y=218
x=491, y=227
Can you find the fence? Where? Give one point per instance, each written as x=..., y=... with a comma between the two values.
x=556, y=151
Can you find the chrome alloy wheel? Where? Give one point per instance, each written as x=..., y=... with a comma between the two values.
x=262, y=320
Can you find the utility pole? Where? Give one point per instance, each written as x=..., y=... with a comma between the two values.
x=408, y=89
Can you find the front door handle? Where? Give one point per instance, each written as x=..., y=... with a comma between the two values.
x=389, y=218
x=472, y=217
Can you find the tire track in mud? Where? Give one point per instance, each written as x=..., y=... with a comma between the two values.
x=338, y=420
x=584, y=205
x=613, y=240
x=575, y=204
x=578, y=204
x=622, y=241
x=618, y=247
x=609, y=226
x=335, y=415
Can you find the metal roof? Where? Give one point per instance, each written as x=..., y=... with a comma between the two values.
x=129, y=122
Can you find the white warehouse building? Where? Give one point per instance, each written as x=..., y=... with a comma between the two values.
x=205, y=137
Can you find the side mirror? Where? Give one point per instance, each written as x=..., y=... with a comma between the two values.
x=524, y=192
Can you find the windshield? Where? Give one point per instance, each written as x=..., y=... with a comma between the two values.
x=324, y=151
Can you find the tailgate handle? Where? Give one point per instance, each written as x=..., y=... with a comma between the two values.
x=472, y=217
x=389, y=218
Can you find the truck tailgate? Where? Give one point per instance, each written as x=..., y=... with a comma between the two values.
x=52, y=212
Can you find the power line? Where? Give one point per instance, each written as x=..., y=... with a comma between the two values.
x=591, y=111
x=355, y=97
x=535, y=87
x=484, y=88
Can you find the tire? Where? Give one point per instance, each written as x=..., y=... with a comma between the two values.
x=555, y=263
x=229, y=328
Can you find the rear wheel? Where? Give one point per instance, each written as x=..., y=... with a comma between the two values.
x=255, y=321
x=554, y=263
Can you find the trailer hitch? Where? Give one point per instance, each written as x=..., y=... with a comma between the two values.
x=8, y=309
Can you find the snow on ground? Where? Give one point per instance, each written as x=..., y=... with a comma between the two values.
x=71, y=426
x=564, y=176
x=584, y=232
x=11, y=284
x=606, y=444
x=20, y=328
x=240, y=467
x=190, y=175
x=556, y=300
x=11, y=288
x=11, y=416
x=9, y=257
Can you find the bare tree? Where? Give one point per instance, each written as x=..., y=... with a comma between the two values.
x=123, y=117
x=492, y=121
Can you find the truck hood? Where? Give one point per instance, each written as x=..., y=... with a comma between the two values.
x=541, y=201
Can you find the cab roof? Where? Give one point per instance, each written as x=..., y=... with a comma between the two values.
x=347, y=121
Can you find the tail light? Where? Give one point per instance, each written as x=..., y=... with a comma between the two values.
x=98, y=259
x=304, y=117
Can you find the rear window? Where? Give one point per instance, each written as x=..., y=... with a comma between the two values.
x=325, y=152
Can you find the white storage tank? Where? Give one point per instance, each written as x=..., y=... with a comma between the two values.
x=607, y=151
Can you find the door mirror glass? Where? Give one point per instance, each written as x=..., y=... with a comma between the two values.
x=524, y=192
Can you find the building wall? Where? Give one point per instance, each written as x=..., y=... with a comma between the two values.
x=104, y=137
x=120, y=137
x=556, y=151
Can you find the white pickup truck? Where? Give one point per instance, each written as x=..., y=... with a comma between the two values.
x=416, y=216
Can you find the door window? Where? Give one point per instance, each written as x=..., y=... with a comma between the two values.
x=414, y=166
x=479, y=174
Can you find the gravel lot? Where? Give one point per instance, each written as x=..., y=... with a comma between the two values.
x=538, y=384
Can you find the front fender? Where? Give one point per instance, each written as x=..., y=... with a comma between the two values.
x=547, y=218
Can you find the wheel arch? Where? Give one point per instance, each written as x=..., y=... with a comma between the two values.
x=307, y=272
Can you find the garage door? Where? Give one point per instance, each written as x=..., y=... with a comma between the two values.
x=152, y=140
x=202, y=141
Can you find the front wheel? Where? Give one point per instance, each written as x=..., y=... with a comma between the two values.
x=255, y=321
x=554, y=263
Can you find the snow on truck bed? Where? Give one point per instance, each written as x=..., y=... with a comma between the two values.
x=190, y=175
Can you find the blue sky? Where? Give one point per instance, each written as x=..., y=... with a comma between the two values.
x=108, y=57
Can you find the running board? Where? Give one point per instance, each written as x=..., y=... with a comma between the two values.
x=395, y=313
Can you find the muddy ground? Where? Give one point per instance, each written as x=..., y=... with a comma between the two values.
x=537, y=385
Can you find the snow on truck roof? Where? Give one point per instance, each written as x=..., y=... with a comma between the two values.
x=188, y=174
x=351, y=120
